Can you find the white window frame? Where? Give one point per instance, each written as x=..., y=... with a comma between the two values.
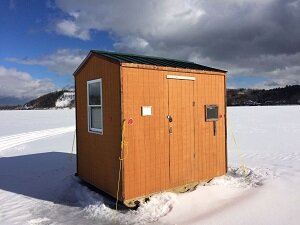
x=91, y=129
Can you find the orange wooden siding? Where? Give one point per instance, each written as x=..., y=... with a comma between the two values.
x=98, y=154
x=156, y=160
x=210, y=149
x=146, y=166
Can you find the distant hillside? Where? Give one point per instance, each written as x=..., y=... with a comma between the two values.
x=50, y=100
x=66, y=100
x=57, y=99
x=289, y=95
x=45, y=101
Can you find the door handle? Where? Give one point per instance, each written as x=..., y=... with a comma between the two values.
x=169, y=117
x=215, y=128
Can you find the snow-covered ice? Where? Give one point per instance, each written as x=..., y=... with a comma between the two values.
x=38, y=186
x=22, y=138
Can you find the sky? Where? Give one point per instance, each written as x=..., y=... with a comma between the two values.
x=43, y=42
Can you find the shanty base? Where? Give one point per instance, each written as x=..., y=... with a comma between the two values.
x=134, y=203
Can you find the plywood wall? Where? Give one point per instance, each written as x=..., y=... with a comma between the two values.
x=147, y=153
x=98, y=154
x=148, y=157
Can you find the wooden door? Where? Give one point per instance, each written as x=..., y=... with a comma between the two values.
x=181, y=131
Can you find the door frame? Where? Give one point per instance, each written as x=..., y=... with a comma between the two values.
x=189, y=178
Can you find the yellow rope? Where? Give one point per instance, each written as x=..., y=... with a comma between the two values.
x=121, y=158
x=242, y=165
x=118, y=188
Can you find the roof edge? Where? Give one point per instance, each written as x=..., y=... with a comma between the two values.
x=88, y=56
x=172, y=69
x=82, y=63
x=100, y=52
x=131, y=54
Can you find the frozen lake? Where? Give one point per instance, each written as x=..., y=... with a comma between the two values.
x=37, y=166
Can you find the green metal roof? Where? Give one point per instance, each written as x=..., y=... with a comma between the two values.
x=156, y=61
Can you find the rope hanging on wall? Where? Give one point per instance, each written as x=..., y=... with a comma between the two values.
x=121, y=159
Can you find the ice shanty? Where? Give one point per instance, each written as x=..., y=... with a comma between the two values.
x=148, y=124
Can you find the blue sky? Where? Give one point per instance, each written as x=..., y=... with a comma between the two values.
x=42, y=42
x=26, y=34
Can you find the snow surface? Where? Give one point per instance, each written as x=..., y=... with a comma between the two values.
x=38, y=186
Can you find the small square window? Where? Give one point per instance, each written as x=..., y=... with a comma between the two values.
x=211, y=113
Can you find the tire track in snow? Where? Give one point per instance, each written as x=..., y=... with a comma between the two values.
x=23, y=138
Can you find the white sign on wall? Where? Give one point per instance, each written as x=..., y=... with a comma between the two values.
x=146, y=110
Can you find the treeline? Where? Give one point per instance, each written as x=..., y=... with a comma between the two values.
x=289, y=95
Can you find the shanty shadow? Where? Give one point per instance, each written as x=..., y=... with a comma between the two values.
x=50, y=177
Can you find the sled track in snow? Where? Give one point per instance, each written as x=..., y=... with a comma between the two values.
x=23, y=138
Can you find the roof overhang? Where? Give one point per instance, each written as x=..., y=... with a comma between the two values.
x=145, y=66
x=172, y=69
x=82, y=63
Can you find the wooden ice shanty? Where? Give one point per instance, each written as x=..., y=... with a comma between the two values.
x=165, y=119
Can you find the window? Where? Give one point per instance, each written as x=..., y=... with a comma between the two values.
x=211, y=112
x=94, y=101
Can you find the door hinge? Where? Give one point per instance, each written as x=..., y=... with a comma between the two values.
x=194, y=103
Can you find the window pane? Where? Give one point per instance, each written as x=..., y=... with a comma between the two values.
x=212, y=112
x=94, y=94
x=96, y=121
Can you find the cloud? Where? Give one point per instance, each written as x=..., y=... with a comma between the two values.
x=62, y=62
x=246, y=37
x=151, y=19
x=17, y=84
x=71, y=29
x=135, y=44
